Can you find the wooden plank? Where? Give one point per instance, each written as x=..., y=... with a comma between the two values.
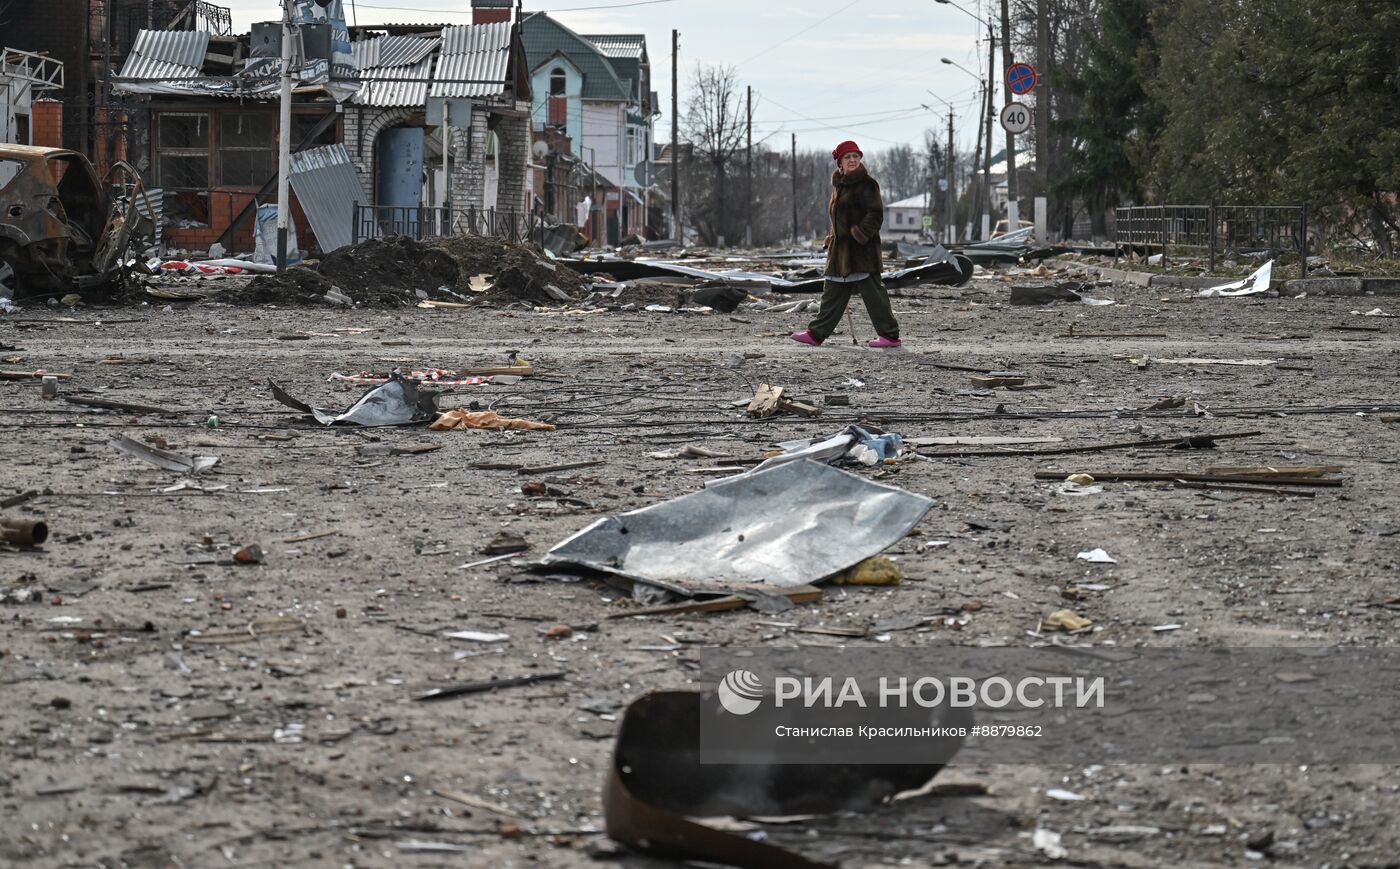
x=520, y=370
x=1277, y=470
x=765, y=401
x=549, y=469
x=1173, y=476
x=108, y=404
x=28, y=375
x=798, y=407
x=989, y=382
x=796, y=594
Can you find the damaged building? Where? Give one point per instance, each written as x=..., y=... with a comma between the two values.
x=374, y=102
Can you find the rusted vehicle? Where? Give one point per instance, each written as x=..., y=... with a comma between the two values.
x=61, y=228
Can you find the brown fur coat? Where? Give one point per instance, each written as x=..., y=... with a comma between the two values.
x=856, y=211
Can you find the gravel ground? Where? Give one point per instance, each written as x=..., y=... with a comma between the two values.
x=170, y=707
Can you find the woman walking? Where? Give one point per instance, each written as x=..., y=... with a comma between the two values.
x=853, y=253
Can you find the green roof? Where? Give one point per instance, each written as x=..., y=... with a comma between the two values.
x=543, y=37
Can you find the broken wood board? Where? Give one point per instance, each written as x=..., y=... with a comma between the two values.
x=1276, y=471
x=429, y=303
x=1194, y=360
x=979, y=440
x=1258, y=490
x=765, y=401
x=30, y=375
x=1173, y=476
x=525, y=370
x=796, y=594
x=1184, y=442
x=800, y=408
x=989, y=382
x=108, y=404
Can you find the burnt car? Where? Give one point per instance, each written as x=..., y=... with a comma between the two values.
x=61, y=228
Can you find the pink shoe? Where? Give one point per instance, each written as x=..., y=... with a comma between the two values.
x=805, y=337
x=883, y=342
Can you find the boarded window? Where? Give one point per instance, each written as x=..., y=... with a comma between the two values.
x=182, y=150
x=246, y=142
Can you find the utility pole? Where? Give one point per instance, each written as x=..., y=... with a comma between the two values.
x=1013, y=208
x=675, y=141
x=284, y=140
x=952, y=199
x=974, y=207
x=987, y=157
x=748, y=169
x=1043, y=61
x=794, y=188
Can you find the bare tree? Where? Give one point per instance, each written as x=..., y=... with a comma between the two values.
x=899, y=171
x=714, y=126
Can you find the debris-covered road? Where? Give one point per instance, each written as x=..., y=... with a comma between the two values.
x=176, y=698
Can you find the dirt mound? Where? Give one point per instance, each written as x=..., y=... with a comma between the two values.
x=393, y=272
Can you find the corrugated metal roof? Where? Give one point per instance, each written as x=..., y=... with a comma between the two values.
x=185, y=47
x=543, y=36
x=631, y=45
x=473, y=52
x=392, y=51
x=394, y=70
x=327, y=188
x=395, y=86
x=162, y=55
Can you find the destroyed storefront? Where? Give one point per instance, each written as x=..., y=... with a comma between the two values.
x=366, y=134
x=214, y=125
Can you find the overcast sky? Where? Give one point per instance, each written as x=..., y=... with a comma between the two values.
x=827, y=70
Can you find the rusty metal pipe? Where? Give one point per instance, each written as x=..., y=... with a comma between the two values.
x=24, y=532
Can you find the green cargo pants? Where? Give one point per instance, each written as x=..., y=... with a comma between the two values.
x=836, y=295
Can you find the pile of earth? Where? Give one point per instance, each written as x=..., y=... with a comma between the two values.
x=393, y=272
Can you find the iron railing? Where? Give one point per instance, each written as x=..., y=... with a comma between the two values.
x=1212, y=231
x=383, y=221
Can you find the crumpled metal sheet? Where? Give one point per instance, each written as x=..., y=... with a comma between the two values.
x=789, y=525
x=398, y=402
x=940, y=268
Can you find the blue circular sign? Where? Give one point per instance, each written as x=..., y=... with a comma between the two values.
x=1021, y=78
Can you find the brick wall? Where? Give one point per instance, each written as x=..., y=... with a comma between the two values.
x=513, y=162
x=46, y=123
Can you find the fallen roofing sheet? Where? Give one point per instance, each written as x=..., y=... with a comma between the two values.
x=398, y=402
x=790, y=525
x=327, y=188
x=948, y=269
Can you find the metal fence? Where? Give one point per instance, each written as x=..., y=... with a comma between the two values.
x=382, y=221
x=1212, y=231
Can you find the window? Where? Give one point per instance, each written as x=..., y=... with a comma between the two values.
x=558, y=102
x=9, y=170
x=245, y=148
x=303, y=124
x=22, y=129
x=182, y=150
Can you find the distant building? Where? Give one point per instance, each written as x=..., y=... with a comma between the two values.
x=595, y=91
x=904, y=220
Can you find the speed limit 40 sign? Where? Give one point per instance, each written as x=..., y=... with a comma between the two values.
x=1016, y=118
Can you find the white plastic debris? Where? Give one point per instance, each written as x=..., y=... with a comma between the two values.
x=1059, y=794
x=1256, y=283
x=477, y=636
x=1096, y=556
x=1048, y=843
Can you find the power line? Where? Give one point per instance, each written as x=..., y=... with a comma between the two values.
x=798, y=33
x=560, y=9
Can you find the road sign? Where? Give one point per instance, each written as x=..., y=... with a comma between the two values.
x=1016, y=118
x=927, y=221
x=1021, y=78
x=943, y=185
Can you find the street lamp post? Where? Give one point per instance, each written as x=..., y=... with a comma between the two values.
x=1012, y=208
x=987, y=156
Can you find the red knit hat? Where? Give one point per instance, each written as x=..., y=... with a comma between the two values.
x=845, y=148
